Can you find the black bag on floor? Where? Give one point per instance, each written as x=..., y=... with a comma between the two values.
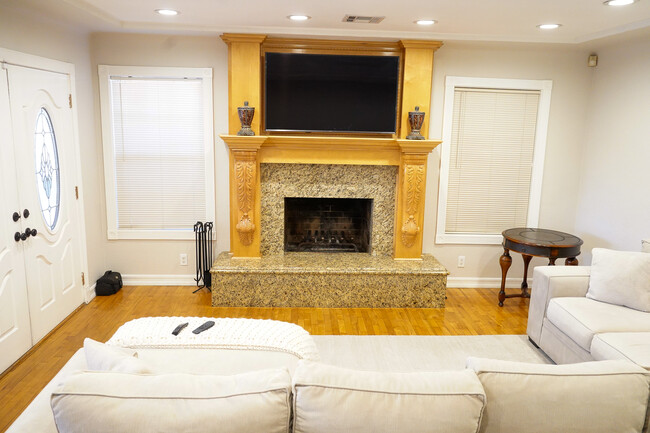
x=108, y=284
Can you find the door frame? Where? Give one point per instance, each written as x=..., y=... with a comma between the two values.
x=17, y=58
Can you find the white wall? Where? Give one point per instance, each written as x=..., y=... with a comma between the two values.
x=614, y=199
x=23, y=30
x=566, y=67
x=161, y=257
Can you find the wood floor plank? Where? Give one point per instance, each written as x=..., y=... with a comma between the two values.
x=468, y=312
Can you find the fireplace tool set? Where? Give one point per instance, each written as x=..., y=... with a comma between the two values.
x=203, y=244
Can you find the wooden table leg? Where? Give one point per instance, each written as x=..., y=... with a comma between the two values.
x=505, y=261
x=524, y=284
x=571, y=261
x=551, y=261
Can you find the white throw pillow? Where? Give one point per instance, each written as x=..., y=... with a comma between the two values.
x=102, y=357
x=329, y=399
x=589, y=397
x=620, y=278
x=106, y=402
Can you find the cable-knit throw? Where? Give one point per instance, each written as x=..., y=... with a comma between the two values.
x=241, y=334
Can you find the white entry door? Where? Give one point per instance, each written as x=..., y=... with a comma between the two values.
x=15, y=334
x=46, y=174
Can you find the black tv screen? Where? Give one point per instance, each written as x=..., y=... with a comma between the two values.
x=331, y=93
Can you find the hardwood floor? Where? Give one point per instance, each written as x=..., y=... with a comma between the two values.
x=468, y=312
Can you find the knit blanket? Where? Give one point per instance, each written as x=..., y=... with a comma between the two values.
x=228, y=333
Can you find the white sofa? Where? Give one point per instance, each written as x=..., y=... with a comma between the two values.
x=229, y=390
x=570, y=327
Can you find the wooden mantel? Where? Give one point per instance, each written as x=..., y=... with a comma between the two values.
x=247, y=152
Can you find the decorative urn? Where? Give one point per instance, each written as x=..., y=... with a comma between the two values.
x=416, y=118
x=246, y=114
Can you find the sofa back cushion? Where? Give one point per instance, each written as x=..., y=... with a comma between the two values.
x=590, y=397
x=101, y=402
x=621, y=278
x=329, y=399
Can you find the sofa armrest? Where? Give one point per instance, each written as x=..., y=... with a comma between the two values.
x=553, y=282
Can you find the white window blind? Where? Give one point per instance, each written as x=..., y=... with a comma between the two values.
x=491, y=159
x=159, y=155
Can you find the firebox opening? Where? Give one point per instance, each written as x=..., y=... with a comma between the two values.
x=327, y=224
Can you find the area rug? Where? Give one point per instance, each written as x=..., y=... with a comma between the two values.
x=423, y=353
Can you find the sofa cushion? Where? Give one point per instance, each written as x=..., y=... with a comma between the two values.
x=621, y=278
x=330, y=399
x=590, y=397
x=581, y=318
x=102, y=357
x=631, y=346
x=103, y=402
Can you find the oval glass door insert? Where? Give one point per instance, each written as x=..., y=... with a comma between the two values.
x=46, y=161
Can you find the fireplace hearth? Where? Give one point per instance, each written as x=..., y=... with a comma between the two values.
x=327, y=224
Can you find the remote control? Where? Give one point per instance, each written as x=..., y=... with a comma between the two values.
x=207, y=325
x=179, y=328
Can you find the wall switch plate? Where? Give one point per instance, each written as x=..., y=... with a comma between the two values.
x=461, y=261
x=183, y=258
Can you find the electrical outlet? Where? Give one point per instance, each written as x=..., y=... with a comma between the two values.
x=461, y=261
x=183, y=258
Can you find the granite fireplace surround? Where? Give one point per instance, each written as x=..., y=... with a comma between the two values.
x=267, y=167
x=310, y=279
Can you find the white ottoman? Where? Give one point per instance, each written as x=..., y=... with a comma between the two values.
x=633, y=346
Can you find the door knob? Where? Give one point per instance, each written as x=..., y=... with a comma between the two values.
x=23, y=237
x=28, y=232
x=17, y=236
x=26, y=213
x=34, y=232
x=15, y=216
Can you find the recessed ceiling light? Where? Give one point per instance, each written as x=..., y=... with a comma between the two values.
x=549, y=26
x=298, y=17
x=619, y=2
x=425, y=22
x=167, y=12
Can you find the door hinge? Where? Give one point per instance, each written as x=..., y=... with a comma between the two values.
x=76, y=192
x=70, y=99
x=83, y=279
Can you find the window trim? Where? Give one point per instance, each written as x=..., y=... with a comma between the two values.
x=451, y=83
x=110, y=184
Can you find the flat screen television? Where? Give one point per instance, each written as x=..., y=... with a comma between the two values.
x=330, y=93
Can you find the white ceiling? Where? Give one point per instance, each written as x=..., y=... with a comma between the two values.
x=485, y=20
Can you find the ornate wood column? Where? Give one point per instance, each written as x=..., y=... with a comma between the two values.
x=418, y=75
x=411, y=190
x=244, y=82
x=245, y=208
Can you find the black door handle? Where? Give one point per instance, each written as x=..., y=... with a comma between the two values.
x=23, y=237
x=26, y=213
x=34, y=232
x=15, y=216
x=17, y=236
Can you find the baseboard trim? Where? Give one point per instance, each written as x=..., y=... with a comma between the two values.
x=484, y=283
x=158, y=280
x=90, y=293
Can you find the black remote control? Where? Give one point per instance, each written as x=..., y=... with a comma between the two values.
x=179, y=328
x=207, y=325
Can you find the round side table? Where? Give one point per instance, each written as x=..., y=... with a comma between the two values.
x=536, y=242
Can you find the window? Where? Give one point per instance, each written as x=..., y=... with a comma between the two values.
x=158, y=156
x=46, y=160
x=492, y=157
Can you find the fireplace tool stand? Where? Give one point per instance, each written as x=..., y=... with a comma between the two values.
x=203, y=245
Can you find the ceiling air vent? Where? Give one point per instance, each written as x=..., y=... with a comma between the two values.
x=362, y=19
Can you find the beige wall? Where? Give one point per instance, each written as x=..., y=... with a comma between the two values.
x=614, y=201
x=161, y=257
x=23, y=30
x=566, y=67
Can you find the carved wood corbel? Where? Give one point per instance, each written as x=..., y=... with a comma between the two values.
x=414, y=185
x=245, y=168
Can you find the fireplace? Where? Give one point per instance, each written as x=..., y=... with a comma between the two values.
x=327, y=224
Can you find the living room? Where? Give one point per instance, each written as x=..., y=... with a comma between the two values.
x=593, y=179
